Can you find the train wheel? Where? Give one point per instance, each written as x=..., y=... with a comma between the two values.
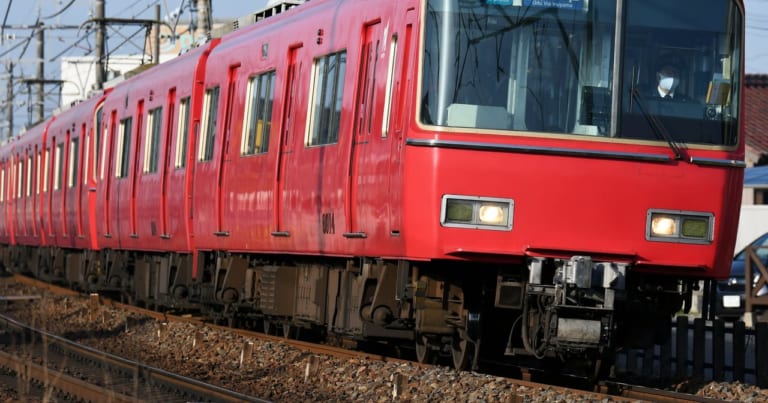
x=425, y=350
x=267, y=326
x=462, y=352
x=289, y=331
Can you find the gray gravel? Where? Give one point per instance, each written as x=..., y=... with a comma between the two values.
x=275, y=371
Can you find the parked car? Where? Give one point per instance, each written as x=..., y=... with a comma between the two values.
x=730, y=299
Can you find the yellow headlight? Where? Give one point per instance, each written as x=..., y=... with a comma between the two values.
x=662, y=225
x=492, y=214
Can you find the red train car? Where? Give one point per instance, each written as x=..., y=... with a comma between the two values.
x=544, y=179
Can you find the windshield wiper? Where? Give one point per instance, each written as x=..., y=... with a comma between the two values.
x=656, y=125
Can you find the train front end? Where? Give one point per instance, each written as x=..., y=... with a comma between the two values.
x=548, y=168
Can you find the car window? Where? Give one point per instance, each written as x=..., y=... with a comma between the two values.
x=762, y=244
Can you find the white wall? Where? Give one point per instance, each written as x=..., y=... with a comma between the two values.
x=753, y=222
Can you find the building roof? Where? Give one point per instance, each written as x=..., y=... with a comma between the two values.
x=756, y=176
x=755, y=116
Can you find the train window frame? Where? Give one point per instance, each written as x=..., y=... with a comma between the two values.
x=123, y=148
x=211, y=107
x=74, y=156
x=182, y=134
x=323, y=69
x=152, y=145
x=260, y=98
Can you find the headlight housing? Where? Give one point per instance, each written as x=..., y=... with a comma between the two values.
x=476, y=212
x=679, y=226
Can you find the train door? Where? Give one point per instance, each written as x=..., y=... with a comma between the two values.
x=367, y=187
x=108, y=177
x=166, y=163
x=403, y=52
x=288, y=130
x=136, y=171
x=80, y=178
x=224, y=158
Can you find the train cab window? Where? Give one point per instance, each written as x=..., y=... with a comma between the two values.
x=327, y=93
x=182, y=135
x=556, y=67
x=258, y=115
x=74, y=156
x=152, y=147
x=210, y=115
x=123, y=148
x=696, y=43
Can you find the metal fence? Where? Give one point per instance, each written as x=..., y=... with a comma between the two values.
x=702, y=350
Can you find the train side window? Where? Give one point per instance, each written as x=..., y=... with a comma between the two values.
x=58, y=166
x=2, y=183
x=327, y=94
x=390, y=83
x=123, y=148
x=30, y=177
x=210, y=114
x=38, y=172
x=74, y=155
x=46, y=169
x=97, y=141
x=258, y=118
x=152, y=148
x=182, y=135
x=20, y=178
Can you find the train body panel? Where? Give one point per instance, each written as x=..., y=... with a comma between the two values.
x=6, y=224
x=329, y=194
x=25, y=198
x=149, y=125
x=70, y=161
x=564, y=205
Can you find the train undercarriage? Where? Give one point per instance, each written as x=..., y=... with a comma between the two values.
x=571, y=312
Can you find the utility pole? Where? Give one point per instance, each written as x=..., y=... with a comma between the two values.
x=40, y=73
x=203, y=19
x=156, y=37
x=100, y=45
x=9, y=102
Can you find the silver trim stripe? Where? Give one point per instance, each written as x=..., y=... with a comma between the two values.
x=466, y=145
x=718, y=162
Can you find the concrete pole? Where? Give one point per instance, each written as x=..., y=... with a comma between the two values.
x=40, y=73
x=9, y=102
x=156, y=38
x=100, y=45
x=203, y=19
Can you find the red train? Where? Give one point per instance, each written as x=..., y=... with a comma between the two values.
x=474, y=178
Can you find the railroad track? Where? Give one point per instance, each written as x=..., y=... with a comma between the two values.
x=78, y=372
x=614, y=391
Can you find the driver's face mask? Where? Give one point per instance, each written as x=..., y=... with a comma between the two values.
x=668, y=84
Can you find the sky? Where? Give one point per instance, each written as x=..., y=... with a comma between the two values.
x=16, y=47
